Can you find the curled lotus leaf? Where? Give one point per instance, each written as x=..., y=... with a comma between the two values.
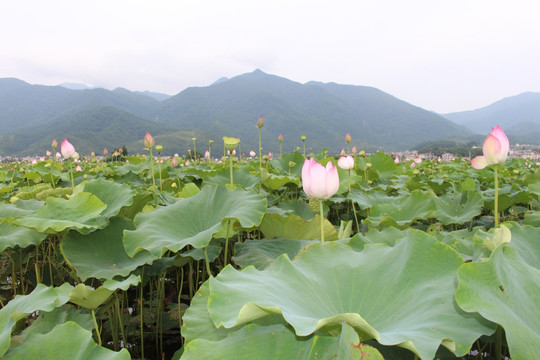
x=193, y=221
x=504, y=289
x=401, y=295
x=113, y=194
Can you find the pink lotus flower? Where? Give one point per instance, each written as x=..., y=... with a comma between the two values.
x=78, y=168
x=417, y=160
x=252, y=153
x=495, y=149
x=346, y=163
x=174, y=162
x=269, y=156
x=207, y=154
x=48, y=153
x=67, y=150
x=319, y=182
x=396, y=160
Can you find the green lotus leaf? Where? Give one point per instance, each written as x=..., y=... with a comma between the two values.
x=241, y=177
x=401, y=295
x=194, y=220
x=12, y=236
x=101, y=254
x=261, y=253
x=276, y=181
x=80, y=212
x=458, y=208
x=461, y=240
x=189, y=190
x=46, y=322
x=294, y=227
x=212, y=250
x=534, y=188
x=525, y=240
x=91, y=299
x=67, y=341
x=269, y=337
x=30, y=192
x=21, y=208
x=403, y=211
x=387, y=236
x=505, y=290
x=42, y=298
x=282, y=164
x=279, y=342
x=114, y=195
x=532, y=218
x=365, y=200
x=300, y=208
x=382, y=163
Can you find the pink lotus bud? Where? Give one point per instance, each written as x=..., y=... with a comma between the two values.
x=148, y=141
x=318, y=181
x=260, y=122
x=207, y=154
x=495, y=149
x=174, y=162
x=67, y=150
x=354, y=149
x=280, y=138
x=78, y=168
x=348, y=138
x=413, y=164
x=346, y=163
x=252, y=153
x=342, y=152
x=92, y=154
x=34, y=161
x=187, y=162
x=48, y=153
x=54, y=144
x=396, y=160
x=417, y=160
x=58, y=155
x=269, y=156
x=105, y=152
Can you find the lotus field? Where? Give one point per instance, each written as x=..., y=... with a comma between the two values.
x=290, y=257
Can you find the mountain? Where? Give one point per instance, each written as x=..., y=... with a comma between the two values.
x=32, y=115
x=507, y=113
x=324, y=113
x=24, y=105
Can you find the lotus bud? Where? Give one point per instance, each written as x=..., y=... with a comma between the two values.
x=252, y=153
x=159, y=148
x=78, y=168
x=346, y=162
x=148, y=141
x=105, y=152
x=54, y=144
x=207, y=155
x=348, y=138
x=354, y=149
x=280, y=138
x=174, y=162
x=260, y=122
x=67, y=150
x=303, y=137
x=342, y=152
x=48, y=153
x=291, y=164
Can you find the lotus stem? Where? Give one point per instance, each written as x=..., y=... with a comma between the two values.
x=226, y=250
x=71, y=173
x=160, y=180
x=260, y=151
x=207, y=262
x=322, y=220
x=141, y=299
x=231, y=169
x=96, y=327
x=352, y=202
x=498, y=342
x=496, y=210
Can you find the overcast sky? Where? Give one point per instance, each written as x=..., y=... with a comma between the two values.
x=444, y=56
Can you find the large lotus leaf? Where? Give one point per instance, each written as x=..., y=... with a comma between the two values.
x=532, y=218
x=294, y=227
x=383, y=163
x=365, y=200
x=101, y=254
x=402, y=212
x=274, y=182
x=401, y=295
x=458, y=208
x=535, y=188
x=21, y=208
x=193, y=221
x=506, y=290
x=387, y=236
x=300, y=208
x=461, y=240
x=261, y=253
x=113, y=194
x=269, y=337
x=91, y=299
x=12, y=236
x=67, y=341
x=41, y=298
x=81, y=212
x=279, y=342
x=241, y=177
x=283, y=164
x=526, y=240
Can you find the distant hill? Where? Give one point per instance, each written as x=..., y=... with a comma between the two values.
x=513, y=112
x=31, y=115
x=322, y=112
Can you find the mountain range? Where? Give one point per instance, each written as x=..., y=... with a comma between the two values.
x=93, y=118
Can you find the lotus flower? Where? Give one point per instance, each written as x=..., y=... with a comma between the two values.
x=78, y=168
x=252, y=153
x=346, y=163
x=319, y=182
x=67, y=150
x=495, y=149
